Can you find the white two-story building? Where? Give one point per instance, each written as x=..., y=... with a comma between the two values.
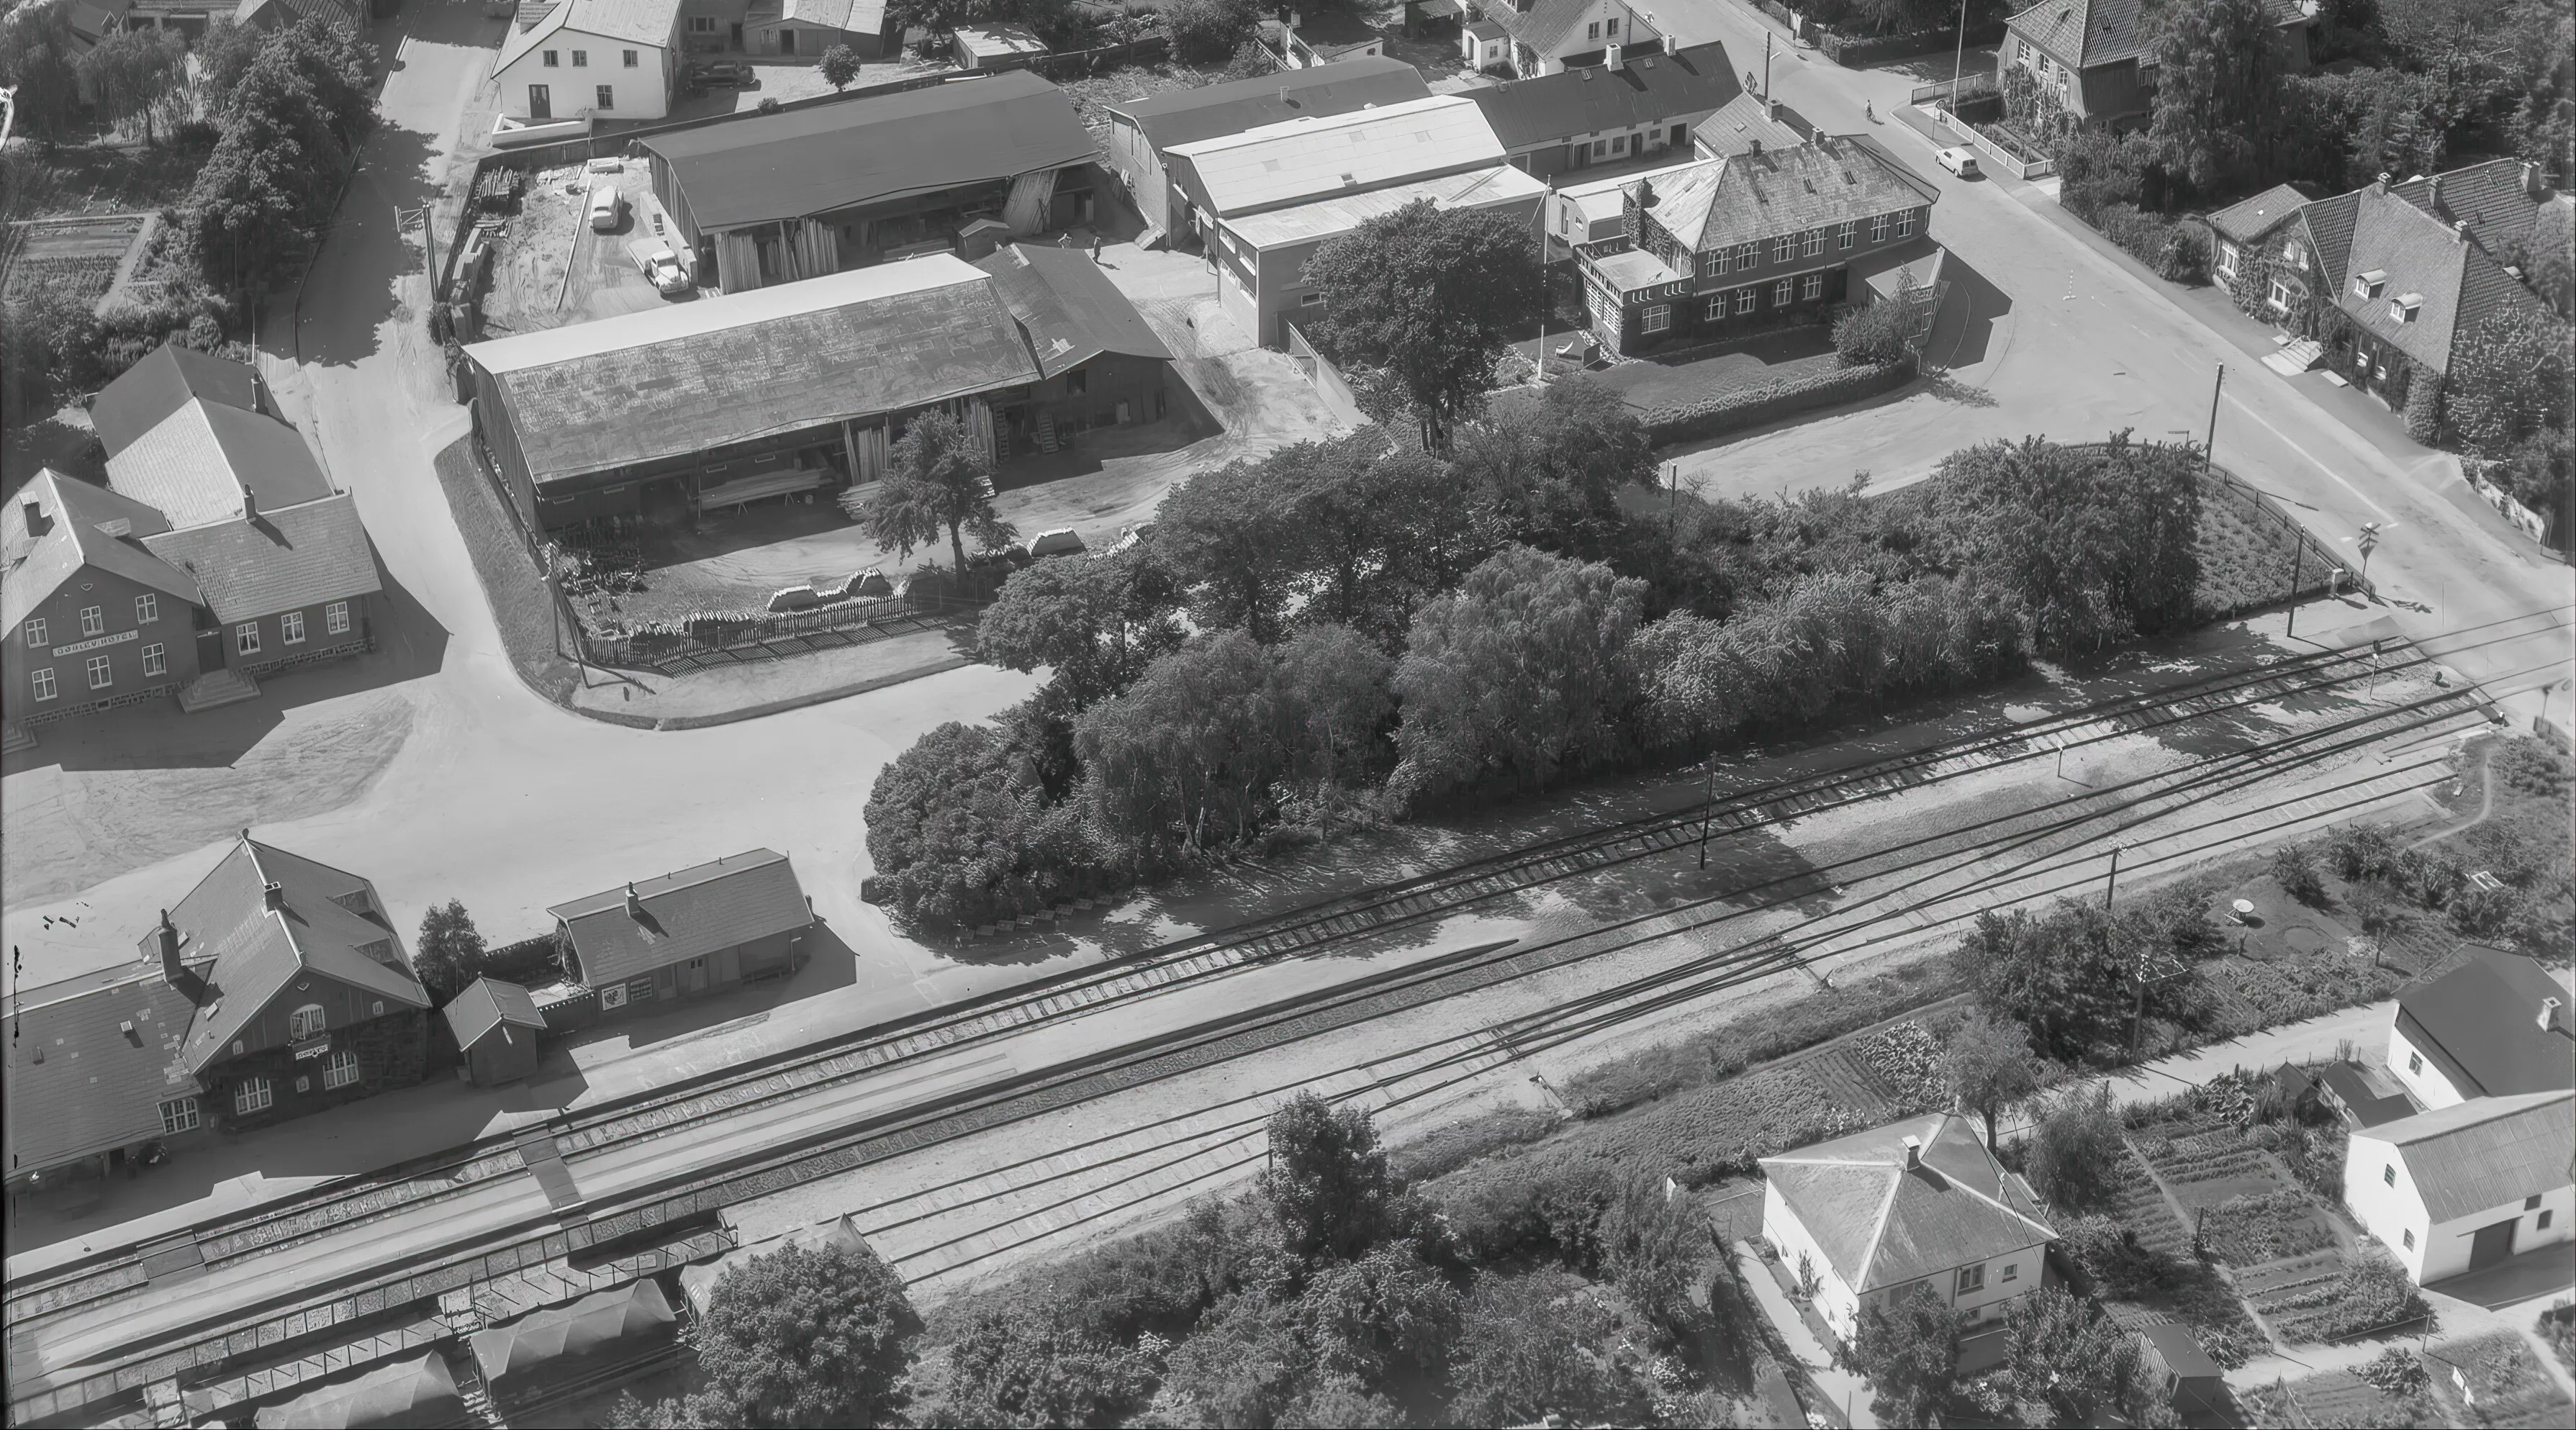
x=607, y=59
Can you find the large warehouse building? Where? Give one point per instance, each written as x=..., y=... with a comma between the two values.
x=805, y=385
x=773, y=198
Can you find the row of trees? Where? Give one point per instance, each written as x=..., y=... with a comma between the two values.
x=288, y=130
x=136, y=73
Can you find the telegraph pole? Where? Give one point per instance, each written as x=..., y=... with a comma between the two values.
x=1706, y=809
x=2111, y=884
x=2298, y=549
x=2209, y=449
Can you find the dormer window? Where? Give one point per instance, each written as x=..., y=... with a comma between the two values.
x=2368, y=285
x=2403, y=310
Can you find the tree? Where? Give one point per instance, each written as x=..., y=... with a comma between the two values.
x=1096, y=621
x=224, y=55
x=2076, y=1151
x=1535, y=1346
x=840, y=65
x=2510, y=379
x=1653, y=1244
x=1553, y=463
x=2062, y=975
x=1883, y=332
x=449, y=953
x=287, y=137
x=2062, y=1355
x=805, y=1338
x=1231, y=539
x=1037, y=1365
x=961, y=831
x=36, y=61
x=1384, y=1321
x=1432, y=295
x=1243, y=1365
x=2218, y=97
x=1327, y=1182
x=1908, y=1349
x=1372, y=529
x=1517, y=675
x=1207, y=31
x=1988, y=1066
x=1188, y=755
x=133, y=72
x=1335, y=699
x=938, y=480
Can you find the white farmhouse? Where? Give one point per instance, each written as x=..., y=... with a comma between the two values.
x=608, y=59
x=2491, y=1025
x=1873, y=1215
x=2463, y=1187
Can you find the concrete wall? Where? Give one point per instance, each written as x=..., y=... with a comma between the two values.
x=171, y=633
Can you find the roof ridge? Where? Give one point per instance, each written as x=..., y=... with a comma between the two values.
x=1878, y=1226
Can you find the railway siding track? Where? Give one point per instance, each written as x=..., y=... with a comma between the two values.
x=1737, y=810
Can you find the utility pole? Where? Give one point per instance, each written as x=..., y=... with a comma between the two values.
x=1544, y=206
x=2298, y=549
x=1766, y=69
x=1672, y=498
x=1707, y=808
x=2111, y=884
x=1958, y=60
x=2209, y=449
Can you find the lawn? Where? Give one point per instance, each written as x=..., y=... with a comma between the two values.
x=1769, y=357
x=77, y=180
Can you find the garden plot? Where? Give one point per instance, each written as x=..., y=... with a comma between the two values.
x=2249, y=1210
x=77, y=259
x=2496, y=1380
x=2334, y=1397
x=2160, y=1279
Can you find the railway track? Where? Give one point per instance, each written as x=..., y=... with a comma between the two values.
x=1775, y=802
x=1746, y=805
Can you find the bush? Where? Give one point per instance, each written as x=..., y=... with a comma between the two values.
x=1751, y=407
x=2178, y=253
x=1205, y=31
x=1879, y=333
x=2294, y=868
x=2075, y=1152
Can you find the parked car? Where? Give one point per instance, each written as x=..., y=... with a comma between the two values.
x=724, y=74
x=607, y=207
x=663, y=269
x=1961, y=162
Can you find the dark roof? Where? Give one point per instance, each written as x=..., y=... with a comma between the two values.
x=1882, y=1224
x=2485, y=1153
x=1758, y=197
x=283, y=560
x=166, y=380
x=256, y=953
x=606, y=1327
x=1650, y=89
x=1546, y=22
x=1324, y=31
x=774, y=166
x=2483, y=1013
x=408, y=1395
x=77, y=1083
x=2359, y=1094
x=487, y=1004
x=2180, y=1350
x=1742, y=122
x=2329, y=225
x=1185, y=115
x=2251, y=220
x=79, y=518
x=2085, y=33
x=691, y=377
x=2493, y=198
x=690, y=914
x=196, y=464
x=1070, y=310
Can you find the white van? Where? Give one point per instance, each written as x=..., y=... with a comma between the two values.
x=607, y=206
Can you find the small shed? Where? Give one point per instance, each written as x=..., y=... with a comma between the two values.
x=2192, y=1380
x=496, y=1026
x=996, y=46
x=406, y=1395
x=544, y=1353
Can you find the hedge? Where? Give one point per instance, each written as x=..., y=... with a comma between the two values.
x=1753, y=406
x=1858, y=52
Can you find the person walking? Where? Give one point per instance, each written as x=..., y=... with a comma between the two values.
x=1095, y=248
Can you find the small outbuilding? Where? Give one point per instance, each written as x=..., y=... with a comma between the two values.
x=996, y=46
x=700, y=930
x=2192, y=1381
x=496, y=1026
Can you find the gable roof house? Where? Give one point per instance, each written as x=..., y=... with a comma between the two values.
x=275, y=988
x=2461, y=1188
x=2492, y=1024
x=1608, y=114
x=2097, y=57
x=217, y=552
x=1143, y=130
x=1325, y=37
x=773, y=198
x=1543, y=37
x=1706, y=246
x=1920, y=1203
x=606, y=59
x=703, y=929
x=810, y=27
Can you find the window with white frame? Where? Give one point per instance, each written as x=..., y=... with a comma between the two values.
x=178, y=1115
x=1814, y=244
x=1744, y=300
x=1747, y=255
x=702, y=24
x=2280, y=293
x=1717, y=307
x=2414, y=1062
x=340, y=1069
x=1814, y=286
x=2021, y=54
x=1971, y=1278
x=1905, y=224
x=1656, y=318
x=306, y=1022
x=1850, y=231
x=147, y=609
x=630, y=59
x=1610, y=28
x=335, y=618
x=156, y=660
x=2294, y=255
x=608, y=96
x=581, y=59
x=1592, y=31
x=93, y=620
x=1783, y=292
x=253, y=1094
x=246, y=638
x=2227, y=260
x=101, y=674
x=42, y=681
x=2012, y=1271
x=36, y=631
x=1878, y=229
x=290, y=627
x=1310, y=300
x=1783, y=248
x=553, y=60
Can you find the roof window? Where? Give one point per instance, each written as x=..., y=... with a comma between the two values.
x=2403, y=310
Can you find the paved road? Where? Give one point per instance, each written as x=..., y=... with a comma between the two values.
x=2043, y=334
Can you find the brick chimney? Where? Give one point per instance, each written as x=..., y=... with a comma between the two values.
x=2380, y=184
x=1756, y=150
x=273, y=895
x=2532, y=187
x=2433, y=193
x=634, y=904
x=2460, y=229
x=171, y=969
x=1913, y=1154
x=250, y=504
x=2549, y=1014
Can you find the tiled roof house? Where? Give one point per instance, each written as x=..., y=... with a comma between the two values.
x=699, y=930
x=1543, y=37
x=2098, y=56
x=1573, y=118
x=276, y=987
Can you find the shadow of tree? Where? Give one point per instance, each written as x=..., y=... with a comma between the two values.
x=1945, y=385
